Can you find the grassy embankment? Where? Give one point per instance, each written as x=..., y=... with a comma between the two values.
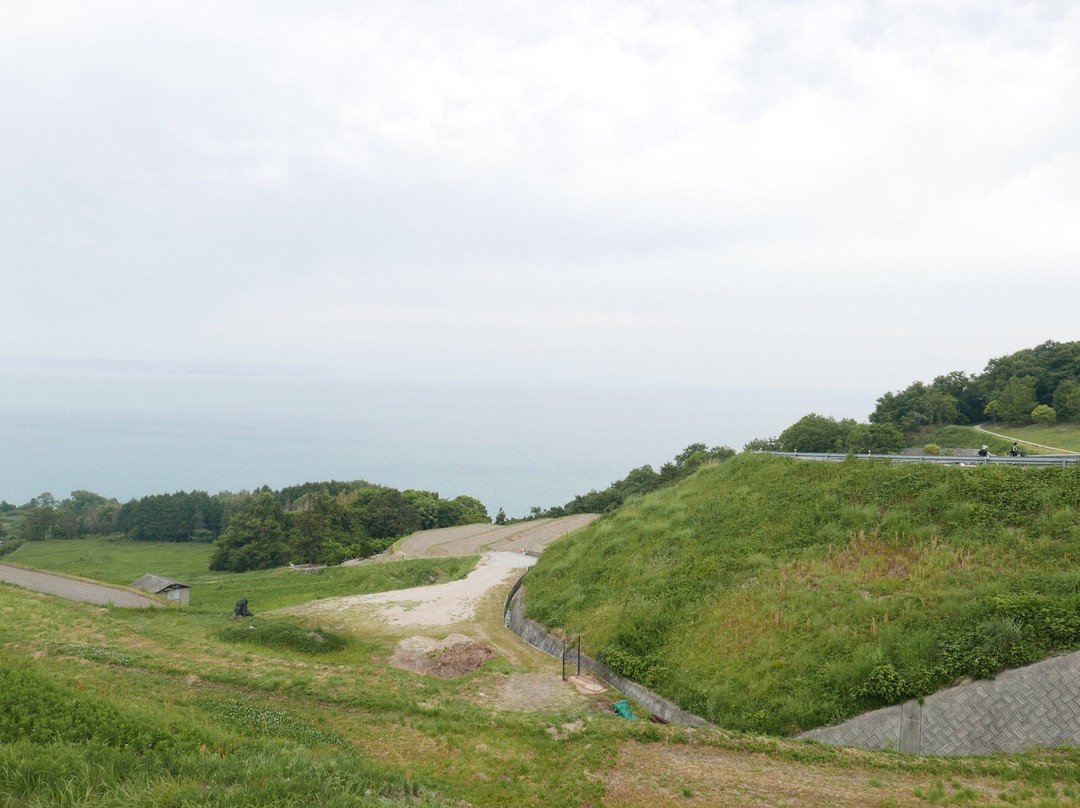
x=772, y=594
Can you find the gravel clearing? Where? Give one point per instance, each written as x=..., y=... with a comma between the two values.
x=425, y=606
x=503, y=557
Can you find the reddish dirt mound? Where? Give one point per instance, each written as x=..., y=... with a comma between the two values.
x=447, y=659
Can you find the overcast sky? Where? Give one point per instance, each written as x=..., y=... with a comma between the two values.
x=866, y=192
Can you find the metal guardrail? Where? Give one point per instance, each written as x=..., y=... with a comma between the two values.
x=1060, y=460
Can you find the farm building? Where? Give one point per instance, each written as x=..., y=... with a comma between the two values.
x=172, y=590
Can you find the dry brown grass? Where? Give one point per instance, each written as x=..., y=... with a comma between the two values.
x=699, y=775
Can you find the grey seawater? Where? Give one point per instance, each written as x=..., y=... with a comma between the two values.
x=127, y=431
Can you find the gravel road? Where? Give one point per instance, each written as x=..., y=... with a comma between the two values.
x=72, y=589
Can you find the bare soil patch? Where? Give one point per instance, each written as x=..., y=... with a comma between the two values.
x=451, y=658
x=530, y=691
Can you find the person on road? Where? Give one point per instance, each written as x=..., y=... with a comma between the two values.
x=1015, y=450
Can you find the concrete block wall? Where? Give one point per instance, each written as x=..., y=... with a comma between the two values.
x=1034, y=706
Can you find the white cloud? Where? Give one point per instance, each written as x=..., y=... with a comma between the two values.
x=598, y=187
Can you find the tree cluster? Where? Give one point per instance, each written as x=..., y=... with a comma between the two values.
x=84, y=513
x=820, y=433
x=325, y=529
x=309, y=523
x=640, y=481
x=1035, y=385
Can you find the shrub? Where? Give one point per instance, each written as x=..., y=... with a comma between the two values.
x=1043, y=414
x=932, y=449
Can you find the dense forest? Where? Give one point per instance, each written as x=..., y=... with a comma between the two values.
x=1035, y=385
x=320, y=522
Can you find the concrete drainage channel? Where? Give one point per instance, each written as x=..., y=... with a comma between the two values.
x=536, y=635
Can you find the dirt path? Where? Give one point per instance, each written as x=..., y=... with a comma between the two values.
x=73, y=588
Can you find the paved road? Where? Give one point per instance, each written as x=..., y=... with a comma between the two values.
x=73, y=589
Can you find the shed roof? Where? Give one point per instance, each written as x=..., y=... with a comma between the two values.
x=157, y=584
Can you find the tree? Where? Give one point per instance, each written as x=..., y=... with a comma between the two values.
x=318, y=521
x=500, y=517
x=254, y=539
x=1067, y=400
x=39, y=522
x=874, y=439
x=814, y=433
x=763, y=445
x=1017, y=399
x=471, y=510
x=1043, y=415
x=965, y=391
x=919, y=406
x=385, y=512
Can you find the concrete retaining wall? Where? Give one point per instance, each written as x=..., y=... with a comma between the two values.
x=536, y=635
x=1034, y=706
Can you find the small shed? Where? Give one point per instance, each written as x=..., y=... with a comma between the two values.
x=172, y=590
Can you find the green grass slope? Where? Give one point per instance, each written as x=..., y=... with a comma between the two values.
x=773, y=594
x=103, y=707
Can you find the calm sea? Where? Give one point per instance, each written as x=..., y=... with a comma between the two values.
x=126, y=431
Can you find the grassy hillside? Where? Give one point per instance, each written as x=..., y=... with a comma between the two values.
x=105, y=707
x=1062, y=436
x=776, y=595
x=1065, y=437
